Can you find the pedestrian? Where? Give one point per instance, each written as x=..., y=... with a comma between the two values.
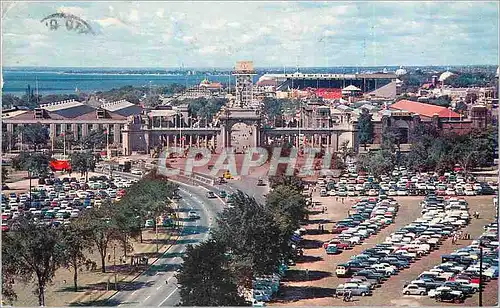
x=323, y=210
x=307, y=273
x=337, y=199
x=453, y=240
x=109, y=257
x=342, y=200
x=319, y=227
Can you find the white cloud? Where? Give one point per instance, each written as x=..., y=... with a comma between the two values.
x=383, y=32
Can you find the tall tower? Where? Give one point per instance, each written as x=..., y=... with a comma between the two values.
x=244, y=71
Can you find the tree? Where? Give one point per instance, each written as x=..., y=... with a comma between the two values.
x=346, y=151
x=286, y=180
x=100, y=228
x=75, y=242
x=365, y=127
x=205, y=278
x=94, y=139
x=34, y=134
x=34, y=163
x=82, y=162
x=378, y=163
x=9, y=100
x=146, y=199
x=35, y=252
x=288, y=206
x=252, y=238
x=5, y=174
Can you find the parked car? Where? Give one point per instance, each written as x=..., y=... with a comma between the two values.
x=414, y=289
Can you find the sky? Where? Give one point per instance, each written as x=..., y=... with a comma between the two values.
x=271, y=34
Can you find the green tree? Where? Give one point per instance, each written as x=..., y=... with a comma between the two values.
x=205, y=278
x=365, y=127
x=35, y=251
x=5, y=174
x=252, y=238
x=286, y=180
x=9, y=100
x=288, y=206
x=100, y=227
x=35, y=163
x=82, y=162
x=146, y=199
x=34, y=134
x=346, y=151
x=379, y=163
x=75, y=242
x=96, y=138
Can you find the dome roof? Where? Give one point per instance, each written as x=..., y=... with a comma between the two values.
x=400, y=72
x=445, y=75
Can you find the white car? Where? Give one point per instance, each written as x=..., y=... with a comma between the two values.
x=450, y=192
x=402, y=192
x=470, y=192
x=413, y=289
x=193, y=215
x=388, y=269
x=392, y=192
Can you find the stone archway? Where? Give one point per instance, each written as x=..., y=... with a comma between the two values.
x=241, y=136
x=403, y=130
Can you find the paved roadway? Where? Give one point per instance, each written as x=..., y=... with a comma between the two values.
x=150, y=288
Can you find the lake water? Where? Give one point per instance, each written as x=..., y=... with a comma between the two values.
x=67, y=80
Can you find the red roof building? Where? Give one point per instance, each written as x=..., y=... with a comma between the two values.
x=424, y=110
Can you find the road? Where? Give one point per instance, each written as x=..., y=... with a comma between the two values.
x=150, y=288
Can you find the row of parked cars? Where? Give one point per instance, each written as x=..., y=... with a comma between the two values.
x=59, y=200
x=367, y=217
x=457, y=277
x=373, y=266
x=404, y=183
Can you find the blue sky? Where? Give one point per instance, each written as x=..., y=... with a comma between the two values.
x=216, y=34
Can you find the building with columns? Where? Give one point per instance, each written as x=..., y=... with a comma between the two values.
x=69, y=117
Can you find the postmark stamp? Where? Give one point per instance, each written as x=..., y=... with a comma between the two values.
x=71, y=22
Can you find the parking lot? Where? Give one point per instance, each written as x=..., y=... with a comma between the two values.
x=319, y=287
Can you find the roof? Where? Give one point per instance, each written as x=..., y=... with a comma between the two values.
x=122, y=107
x=61, y=105
x=162, y=113
x=68, y=109
x=13, y=114
x=351, y=88
x=426, y=110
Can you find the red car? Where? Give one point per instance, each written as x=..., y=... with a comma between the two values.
x=338, y=243
x=338, y=229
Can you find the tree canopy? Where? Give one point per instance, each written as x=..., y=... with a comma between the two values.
x=34, y=134
x=206, y=279
x=33, y=252
x=34, y=162
x=365, y=127
x=251, y=236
